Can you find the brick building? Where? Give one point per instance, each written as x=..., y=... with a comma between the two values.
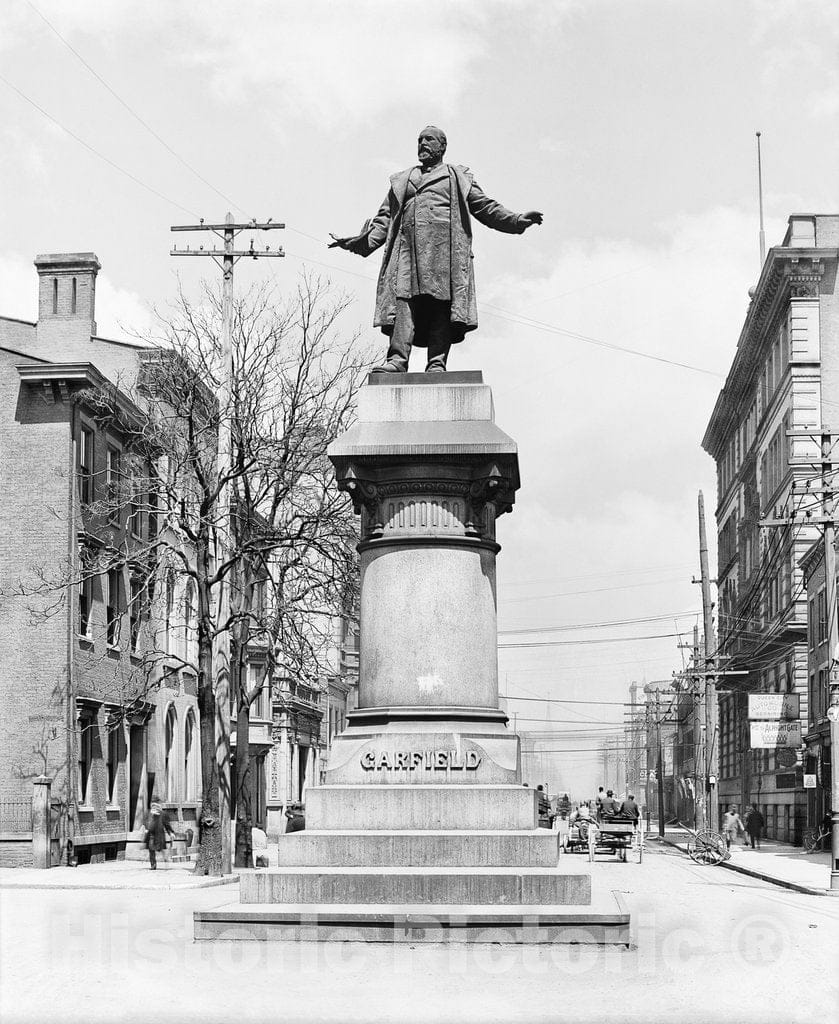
x=90, y=686
x=783, y=385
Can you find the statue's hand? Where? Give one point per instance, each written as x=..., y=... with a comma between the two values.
x=339, y=243
x=531, y=217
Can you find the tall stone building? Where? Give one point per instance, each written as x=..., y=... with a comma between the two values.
x=83, y=702
x=764, y=435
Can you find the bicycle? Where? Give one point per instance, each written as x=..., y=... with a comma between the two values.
x=812, y=838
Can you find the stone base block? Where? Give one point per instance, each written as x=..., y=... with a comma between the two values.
x=539, y=848
x=487, y=887
x=390, y=807
x=604, y=923
x=419, y=753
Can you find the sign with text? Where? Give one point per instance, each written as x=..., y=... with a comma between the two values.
x=809, y=781
x=765, y=735
x=429, y=760
x=773, y=705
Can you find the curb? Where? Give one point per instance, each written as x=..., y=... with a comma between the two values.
x=203, y=883
x=808, y=890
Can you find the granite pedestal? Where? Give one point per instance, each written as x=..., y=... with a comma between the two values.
x=423, y=828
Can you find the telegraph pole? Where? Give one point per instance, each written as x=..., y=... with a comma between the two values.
x=709, y=701
x=225, y=258
x=659, y=770
x=695, y=697
x=827, y=521
x=829, y=510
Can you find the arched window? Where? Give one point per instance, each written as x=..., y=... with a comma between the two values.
x=170, y=767
x=190, y=757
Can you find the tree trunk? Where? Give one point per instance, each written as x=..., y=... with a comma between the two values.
x=209, y=830
x=244, y=806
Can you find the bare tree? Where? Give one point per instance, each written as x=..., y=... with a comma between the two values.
x=290, y=535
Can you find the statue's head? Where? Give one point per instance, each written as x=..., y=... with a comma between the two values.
x=431, y=145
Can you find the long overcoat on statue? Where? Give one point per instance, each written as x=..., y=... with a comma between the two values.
x=385, y=229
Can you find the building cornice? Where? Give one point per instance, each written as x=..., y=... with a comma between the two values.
x=83, y=375
x=787, y=273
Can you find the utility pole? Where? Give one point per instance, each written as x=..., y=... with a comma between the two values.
x=827, y=520
x=659, y=771
x=695, y=696
x=226, y=258
x=709, y=802
x=829, y=511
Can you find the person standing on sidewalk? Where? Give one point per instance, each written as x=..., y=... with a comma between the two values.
x=732, y=826
x=754, y=825
x=158, y=827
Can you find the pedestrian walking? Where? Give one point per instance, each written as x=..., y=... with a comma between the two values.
x=754, y=825
x=601, y=796
x=158, y=827
x=732, y=826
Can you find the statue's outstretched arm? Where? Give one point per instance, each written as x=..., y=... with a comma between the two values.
x=496, y=216
x=371, y=236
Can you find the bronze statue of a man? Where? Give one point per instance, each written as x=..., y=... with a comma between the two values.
x=426, y=290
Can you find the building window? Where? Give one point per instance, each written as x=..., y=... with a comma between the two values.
x=114, y=757
x=55, y=295
x=87, y=724
x=170, y=761
x=821, y=613
x=811, y=624
x=113, y=620
x=169, y=614
x=73, y=296
x=112, y=478
x=190, y=624
x=85, y=602
x=135, y=612
x=85, y=465
x=135, y=508
x=190, y=757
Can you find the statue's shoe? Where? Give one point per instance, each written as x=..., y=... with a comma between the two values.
x=389, y=368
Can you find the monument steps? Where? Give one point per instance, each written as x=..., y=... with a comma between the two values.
x=605, y=922
x=419, y=848
x=383, y=807
x=371, y=886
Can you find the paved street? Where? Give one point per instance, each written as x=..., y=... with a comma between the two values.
x=708, y=945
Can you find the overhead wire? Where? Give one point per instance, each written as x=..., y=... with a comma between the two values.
x=594, y=625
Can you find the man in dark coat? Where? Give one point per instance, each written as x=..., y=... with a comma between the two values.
x=426, y=290
x=158, y=827
x=754, y=825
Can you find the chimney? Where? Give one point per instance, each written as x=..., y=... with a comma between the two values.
x=66, y=303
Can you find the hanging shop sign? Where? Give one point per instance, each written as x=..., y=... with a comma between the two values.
x=774, y=706
x=767, y=735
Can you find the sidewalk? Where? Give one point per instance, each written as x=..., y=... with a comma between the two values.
x=117, y=874
x=775, y=862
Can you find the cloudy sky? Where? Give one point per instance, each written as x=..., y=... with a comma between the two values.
x=630, y=125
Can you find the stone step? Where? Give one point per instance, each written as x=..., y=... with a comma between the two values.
x=604, y=923
x=419, y=848
x=393, y=885
x=385, y=807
